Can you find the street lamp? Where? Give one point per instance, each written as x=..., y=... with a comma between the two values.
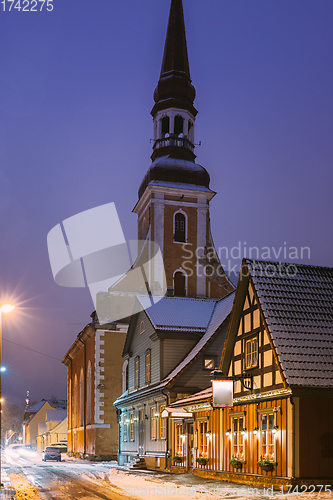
x=4, y=308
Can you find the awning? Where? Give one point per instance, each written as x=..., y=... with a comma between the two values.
x=176, y=413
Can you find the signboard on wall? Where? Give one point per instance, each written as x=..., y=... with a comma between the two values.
x=223, y=393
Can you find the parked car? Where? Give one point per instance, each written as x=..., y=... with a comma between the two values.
x=51, y=453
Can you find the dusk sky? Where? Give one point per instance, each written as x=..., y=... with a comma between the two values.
x=76, y=87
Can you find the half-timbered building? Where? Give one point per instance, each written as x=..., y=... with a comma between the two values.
x=279, y=431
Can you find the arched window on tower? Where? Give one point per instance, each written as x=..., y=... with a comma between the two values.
x=165, y=125
x=190, y=131
x=89, y=394
x=179, y=125
x=180, y=228
x=179, y=284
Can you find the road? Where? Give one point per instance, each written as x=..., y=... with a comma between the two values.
x=66, y=480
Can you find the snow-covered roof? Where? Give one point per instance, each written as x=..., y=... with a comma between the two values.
x=181, y=314
x=221, y=310
x=55, y=415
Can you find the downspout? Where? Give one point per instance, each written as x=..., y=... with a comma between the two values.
x=167, y=396
x=293, y=436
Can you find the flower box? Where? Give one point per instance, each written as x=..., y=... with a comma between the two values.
x=202, y=460
x=236, y=463
x=266, y=465
x=177, y=459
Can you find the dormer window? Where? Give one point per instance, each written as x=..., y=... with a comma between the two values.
x=179, y=125
x=180, y=228
x=165, y=125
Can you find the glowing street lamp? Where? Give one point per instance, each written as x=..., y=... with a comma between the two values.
x=4, y=308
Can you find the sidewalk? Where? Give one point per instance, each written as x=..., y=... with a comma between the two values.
x=7, y=492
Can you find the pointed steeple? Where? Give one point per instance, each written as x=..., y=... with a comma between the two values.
x=174, y=87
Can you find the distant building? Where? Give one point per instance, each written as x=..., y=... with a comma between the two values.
x=54, y=430
x=35, y=415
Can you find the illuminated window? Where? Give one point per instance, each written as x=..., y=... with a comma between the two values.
x=81, y=398
x=203, y=440
x=137, y=372
x=131, y=427
x=179, y=440
x=162, y=423
x=251, y=353
x=148, y=366
x=152, y=423
x=267, y=437
x=238, y=445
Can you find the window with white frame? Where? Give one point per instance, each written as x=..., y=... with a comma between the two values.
x=251, y=353
x=237, y=435
x=125, y=427
x=179, y=439
x=267, y=437
x=131, y=427
x=148, y=366
x=203, y=438
x=152, y=422
x=162, y=423
x=137, y=372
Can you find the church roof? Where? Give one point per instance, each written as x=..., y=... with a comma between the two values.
x=297, y=303
x=175, y=81
x=172, y=170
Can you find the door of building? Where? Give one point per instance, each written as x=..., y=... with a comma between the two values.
x=190, y=446
x=141, y=433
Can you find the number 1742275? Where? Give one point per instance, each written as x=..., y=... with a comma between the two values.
x=27, y=5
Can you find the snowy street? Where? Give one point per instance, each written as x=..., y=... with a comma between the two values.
x=80, y=480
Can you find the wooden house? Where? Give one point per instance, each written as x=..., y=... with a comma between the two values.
x=170, y=351
x=280, y=432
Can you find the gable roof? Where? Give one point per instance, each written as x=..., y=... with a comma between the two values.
x=177, y=314
x=55, y=415
x=297, y=304
x=221, y=312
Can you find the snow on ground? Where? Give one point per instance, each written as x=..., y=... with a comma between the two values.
x=24, y=489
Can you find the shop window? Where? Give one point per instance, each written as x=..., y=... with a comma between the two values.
x=137, y=372
x=180, y=228
x=179, y=284
x=267, y=437
x=162, y=423
x=179, y=125
x=238, y=432
x=251, y=353
x=179, y=440
x=152, y=422
x=203, y=439
x=148, y=366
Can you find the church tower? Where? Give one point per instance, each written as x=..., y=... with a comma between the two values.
x=174, y=196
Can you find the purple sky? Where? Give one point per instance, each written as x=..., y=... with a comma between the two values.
x=76, y=89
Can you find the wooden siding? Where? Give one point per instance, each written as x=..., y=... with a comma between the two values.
x=140, y=343
x=315, y=437
x=174, y=350
x=195, y=375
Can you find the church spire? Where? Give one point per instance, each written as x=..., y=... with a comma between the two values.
x=174, y=112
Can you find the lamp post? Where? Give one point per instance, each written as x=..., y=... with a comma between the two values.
x=4, y=308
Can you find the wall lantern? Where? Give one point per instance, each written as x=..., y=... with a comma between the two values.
x=276, y=428
x=243, y=432
x=182, y=436
x=127, y=420
x=157, y=414
x=255, y=430
x=208, y=433
x=228, y=432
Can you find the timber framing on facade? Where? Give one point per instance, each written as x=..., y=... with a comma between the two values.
x=281, y=333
